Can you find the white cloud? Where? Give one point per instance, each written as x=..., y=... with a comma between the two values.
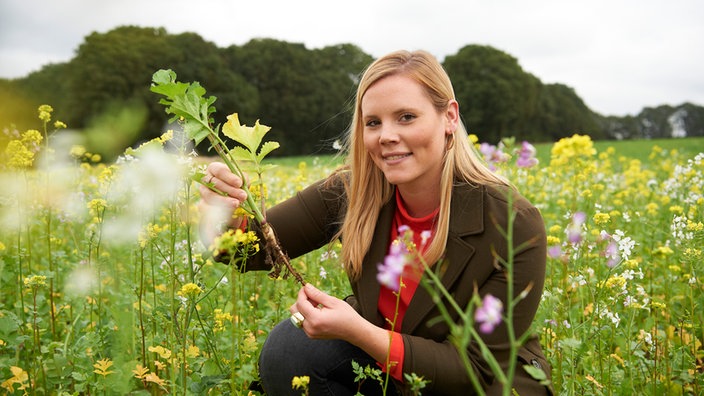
x=618, y=55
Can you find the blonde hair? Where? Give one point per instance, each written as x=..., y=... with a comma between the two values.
x=367, y=189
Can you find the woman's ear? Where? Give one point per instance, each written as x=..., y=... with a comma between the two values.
x=452, y=117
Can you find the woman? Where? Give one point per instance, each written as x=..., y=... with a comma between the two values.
x=410, y=164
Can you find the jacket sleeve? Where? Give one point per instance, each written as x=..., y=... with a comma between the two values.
x=304, y=222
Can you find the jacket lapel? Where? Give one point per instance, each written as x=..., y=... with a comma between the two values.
x=466, y=218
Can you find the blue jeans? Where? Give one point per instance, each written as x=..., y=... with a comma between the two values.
x=288, y=352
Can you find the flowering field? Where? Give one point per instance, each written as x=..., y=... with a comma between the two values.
x=106, y=288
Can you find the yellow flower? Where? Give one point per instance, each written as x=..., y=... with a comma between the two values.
x=663, y=251
x=32, y=138
x=220, y=318
x=2, y=247
x=692, y=226
x=151, y=377
x=192, y=351
x=140, y=372
x=601, y=218
x=97, y=206
x=59, y=125
x=45, y=113
x=616, y=281
x=161, y=351
x=676, y=209
x=18, y=154
x=300, y=382
x=19, y=376
x=553, y=240
x=102, y=366
x=35, y=280
x=189, y=290
x=567, y=149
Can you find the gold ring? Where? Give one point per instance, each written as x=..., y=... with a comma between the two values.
x=297, y=319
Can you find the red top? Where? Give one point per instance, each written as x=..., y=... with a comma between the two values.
x=388, y=299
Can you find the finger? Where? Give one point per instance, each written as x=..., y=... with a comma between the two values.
x=219, y=177
x=317, y=297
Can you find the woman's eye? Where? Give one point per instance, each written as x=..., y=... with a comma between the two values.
x=371, y=123
x=407, y=117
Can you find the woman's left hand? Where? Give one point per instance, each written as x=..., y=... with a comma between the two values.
x=325, y=316
x=328, y=317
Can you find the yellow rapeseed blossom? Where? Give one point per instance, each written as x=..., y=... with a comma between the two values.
x=674, y=268
x=616, y=281
x=97, y=206
x=696, y=227
x=189, y=290
x=35, y=280
x=553, y=240
x=662, y=251
x=192, y=351
x=676, y=209
x=567, y=149
x=31, y=139
x=18, y=154
x=300, y=382
x=601, y=218
x=220, y=319
x=161, y=351
x=150, y=232
x=652, y=208
x=45, y=112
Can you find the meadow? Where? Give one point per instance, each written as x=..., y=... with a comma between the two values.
x=107, y=289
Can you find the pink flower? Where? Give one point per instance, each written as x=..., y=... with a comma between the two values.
x=526, y=156
x=489, y=314
x=555, y=251
x=394, y=263
x=574, y=230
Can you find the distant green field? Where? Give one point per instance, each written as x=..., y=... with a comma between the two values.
x=638, y=149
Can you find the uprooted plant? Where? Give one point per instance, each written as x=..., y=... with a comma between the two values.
x=189, y=106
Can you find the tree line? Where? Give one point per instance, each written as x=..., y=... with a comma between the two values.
x=305, y=95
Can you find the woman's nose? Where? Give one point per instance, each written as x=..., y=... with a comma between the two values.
x=388, y=135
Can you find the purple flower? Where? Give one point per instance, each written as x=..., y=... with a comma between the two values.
x=489, y=314
x=574, y=230
x=554, y=251
x=390, y=271
x=526, y=156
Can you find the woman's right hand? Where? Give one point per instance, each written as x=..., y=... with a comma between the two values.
x=215, y=209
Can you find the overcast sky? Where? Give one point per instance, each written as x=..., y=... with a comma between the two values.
x=619, y=55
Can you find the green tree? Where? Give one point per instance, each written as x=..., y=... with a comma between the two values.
x=497, y=98
x=561, y=113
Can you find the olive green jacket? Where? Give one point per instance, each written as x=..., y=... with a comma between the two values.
x=311, y=218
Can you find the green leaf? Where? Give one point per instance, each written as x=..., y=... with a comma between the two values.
x=267, y=148
x=249, y=137
x=241, y=154
x=536, y=373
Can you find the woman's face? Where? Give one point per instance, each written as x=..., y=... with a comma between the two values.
x=404, y=133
